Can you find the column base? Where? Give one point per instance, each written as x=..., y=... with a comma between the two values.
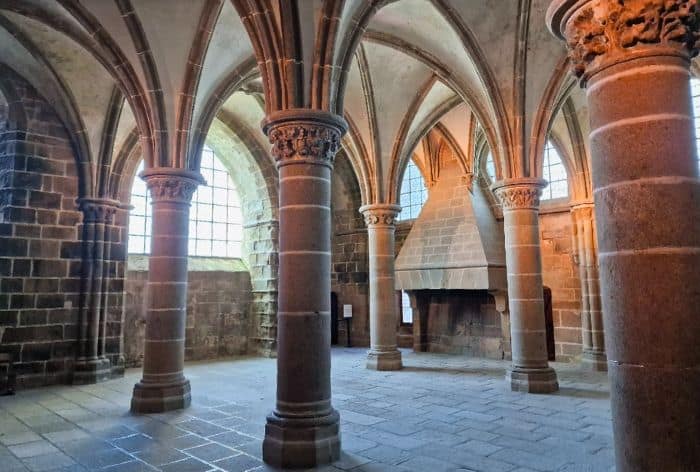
x=384, y=360
x=594, y=361
x=119, y=369
x=91, y=371
x=301, y=442
x=543, y=380
x=158, y=398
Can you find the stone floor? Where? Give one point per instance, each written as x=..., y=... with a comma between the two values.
x=441, y=413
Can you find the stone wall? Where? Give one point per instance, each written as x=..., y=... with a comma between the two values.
x=40, y=249
x=219, y=321
x=402, y=230
x=256, y=179
x=134, y=317
x=116, y=237
x=350, y=260
x=460, y=322
x=261, y=247
x=560, y=274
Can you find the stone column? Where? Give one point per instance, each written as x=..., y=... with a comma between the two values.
x=634, y=59
x=530, y=371
x=302, y=431
x=383, y=353
x=92, y=365
x=593, y=357
x=420, y=303
x=500, y=298
x=164, y=386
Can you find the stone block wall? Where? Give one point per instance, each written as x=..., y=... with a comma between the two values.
x=40, y=249
x=218, y=309
x=349, y=281
x=405, y=332
x=261, y=247
x=134, y=317
x=460, y=322
x=401, y=233
x=560, y=274
x=350, y=259
x=219, y=315
x=255, y=176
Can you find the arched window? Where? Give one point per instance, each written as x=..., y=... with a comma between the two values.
x=695, y=89
x=140, y=217
x=554, y=173
x=490, y=166
x=413, y=193
x=216, y=221
x=406, y=309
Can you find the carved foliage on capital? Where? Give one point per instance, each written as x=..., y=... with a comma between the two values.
x=304, y=140
x=380, y=217
x=171, y=188
x=605, y=29
x=514, y=198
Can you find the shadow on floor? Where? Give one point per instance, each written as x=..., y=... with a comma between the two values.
x=471, y=371
x=583, y=393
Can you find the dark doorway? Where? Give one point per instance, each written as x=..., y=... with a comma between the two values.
x=334, y=318
x=549, y=323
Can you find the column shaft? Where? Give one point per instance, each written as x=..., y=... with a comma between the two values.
x=634, y=58
x=500, y=299
x=384, y=353
x=593, y=356
x=104, y=304
x=163, y=386
x=648, y=209
x=303, y=430
x=91, y=365
x=420, y=304
x=530, y=370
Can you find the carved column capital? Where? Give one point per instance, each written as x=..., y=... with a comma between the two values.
x=98, y=210
x=601, y=33
x=519, y=194
x=172, y=185
x=304, y=136
x=380, y=214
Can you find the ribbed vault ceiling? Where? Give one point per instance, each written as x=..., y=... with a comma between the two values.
x=399, y=67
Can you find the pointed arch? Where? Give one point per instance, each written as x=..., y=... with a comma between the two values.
x=195, y=63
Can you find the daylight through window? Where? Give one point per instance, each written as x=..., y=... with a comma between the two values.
x=216, y=222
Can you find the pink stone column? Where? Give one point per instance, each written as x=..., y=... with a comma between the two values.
x=530, y=371
x=163, y=386
x=634, y=57
x=593, y=356
x=303, y=429
x=383, y=316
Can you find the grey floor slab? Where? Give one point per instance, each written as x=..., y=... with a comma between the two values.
x=441, y=413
